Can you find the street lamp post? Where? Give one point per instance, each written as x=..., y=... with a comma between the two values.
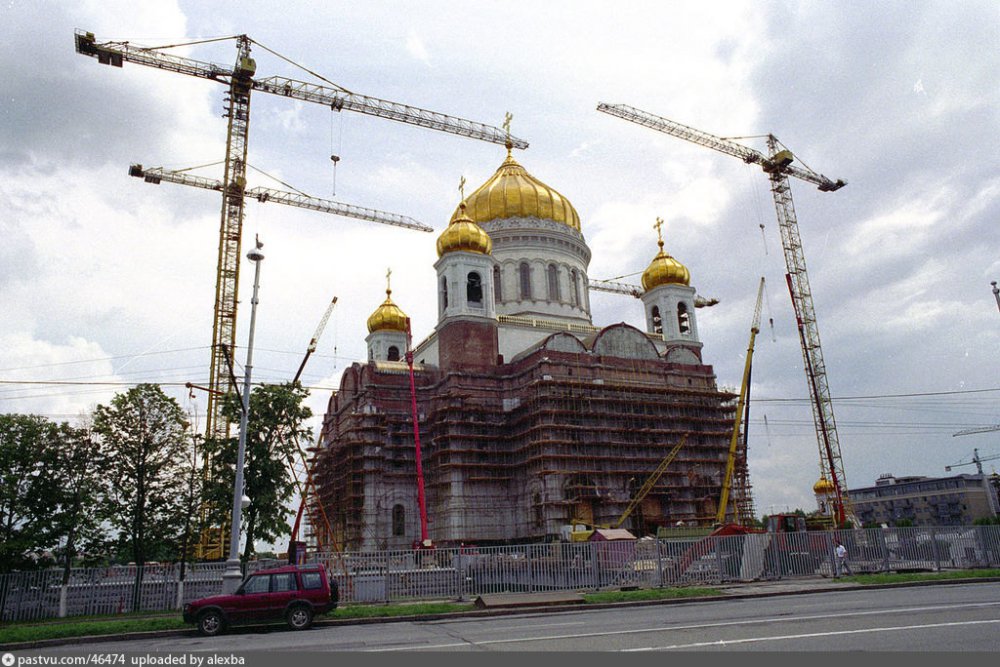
x=233, y=575
x=996, y=292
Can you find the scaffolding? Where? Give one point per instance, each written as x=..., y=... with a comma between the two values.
x=518, y=453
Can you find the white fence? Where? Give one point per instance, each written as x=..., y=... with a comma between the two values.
x=462, y=574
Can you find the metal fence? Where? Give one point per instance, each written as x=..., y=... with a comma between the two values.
x=467, y=572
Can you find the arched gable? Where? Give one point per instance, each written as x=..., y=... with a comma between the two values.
x=563, y=342
x=625, y=341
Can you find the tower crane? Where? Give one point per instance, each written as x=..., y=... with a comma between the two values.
x=241, y=82
x=778, y=166
x=743, y=513
x=615, y=287
x=976, y=461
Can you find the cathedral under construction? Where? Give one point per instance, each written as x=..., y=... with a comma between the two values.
x=529, y=417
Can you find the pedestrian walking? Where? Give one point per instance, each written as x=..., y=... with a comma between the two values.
x=841, y=553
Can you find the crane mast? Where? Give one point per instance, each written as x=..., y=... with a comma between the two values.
x=778, y=166
x=727, y=481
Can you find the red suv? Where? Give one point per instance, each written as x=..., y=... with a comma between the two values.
x=295, y=593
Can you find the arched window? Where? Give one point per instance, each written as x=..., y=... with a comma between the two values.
x=553, y=275
x=444, y=291
x=525, y=274
x=474, y=289
x=398, y=520
x=683, y=320
x=654, y=315
x=393, y=353
x=574, y=293
x=576, y=289
x=536, y=501
x=497, y=292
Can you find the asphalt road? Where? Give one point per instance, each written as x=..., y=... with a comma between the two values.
x=915, y=619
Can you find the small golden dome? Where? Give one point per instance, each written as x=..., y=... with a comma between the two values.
x=514, y=193
x=823, y=486
x=664, y=270
x=464, y=234
x=387, y=317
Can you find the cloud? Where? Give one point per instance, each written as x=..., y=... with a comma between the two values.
x=415, y=47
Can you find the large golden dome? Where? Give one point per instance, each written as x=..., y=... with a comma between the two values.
x=514, y=193
x=664, y=270
x=387, y=317
x=464, y=234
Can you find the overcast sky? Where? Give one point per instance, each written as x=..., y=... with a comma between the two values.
x=107, y=281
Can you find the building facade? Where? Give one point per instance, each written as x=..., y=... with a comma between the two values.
x=529, y=416
x=927, y=501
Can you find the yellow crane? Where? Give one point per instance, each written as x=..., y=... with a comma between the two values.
x=651, y=481
x=654, y=477
x=777, y=164
x=241, y=80
x=741, y=510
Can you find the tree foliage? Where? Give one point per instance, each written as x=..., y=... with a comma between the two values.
x=274, y=431
x=28, y=497
x=78, y=471
x=144, y=439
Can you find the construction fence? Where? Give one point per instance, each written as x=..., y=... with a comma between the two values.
x=466, y=572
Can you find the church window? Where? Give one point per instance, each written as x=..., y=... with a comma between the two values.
x=574, y=290
x=444, y=291
x=393, y=353
x=474, y=289
x=525, y=272
x=683, y=320
x=553, y=274
x=497, y=293
x=539, y=509
x=398, y=520
x=654, y=315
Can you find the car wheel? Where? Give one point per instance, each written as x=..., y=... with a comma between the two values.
x=299, y=617
x=211, y=623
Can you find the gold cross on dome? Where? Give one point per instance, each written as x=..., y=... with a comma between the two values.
x=388, y=274
x=461, y=187
x=506, y=126
x=659, y=229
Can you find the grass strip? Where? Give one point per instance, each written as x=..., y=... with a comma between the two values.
x=649, y=594
x=904, y=577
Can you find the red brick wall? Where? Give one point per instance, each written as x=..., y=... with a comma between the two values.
x=468, y=345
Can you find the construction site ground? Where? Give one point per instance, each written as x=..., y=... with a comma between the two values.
x=727, y=591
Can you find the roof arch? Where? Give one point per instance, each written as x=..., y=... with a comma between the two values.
x=625, y=341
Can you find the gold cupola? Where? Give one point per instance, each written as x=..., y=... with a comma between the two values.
x=388, y=316
x=664, y=269
x=514, y=193
x=464, y=234
x=823, y=487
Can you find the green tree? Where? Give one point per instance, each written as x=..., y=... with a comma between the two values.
x=275, y=428
x=28, y=491
x=78, y=471
x=144, y=440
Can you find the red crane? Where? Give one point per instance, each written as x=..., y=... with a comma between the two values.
x=778, y=167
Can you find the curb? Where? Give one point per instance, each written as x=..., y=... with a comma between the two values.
x=832, y=587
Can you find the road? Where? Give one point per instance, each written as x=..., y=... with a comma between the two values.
x=915, y=619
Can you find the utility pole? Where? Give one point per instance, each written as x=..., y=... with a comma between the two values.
x=233, y=575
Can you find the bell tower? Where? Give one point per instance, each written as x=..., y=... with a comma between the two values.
x=467, y=320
